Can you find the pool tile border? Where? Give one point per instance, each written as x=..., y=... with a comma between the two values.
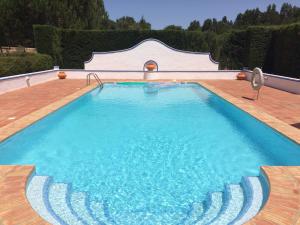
x=279, y=125
x=14, y=207
x=283, y=204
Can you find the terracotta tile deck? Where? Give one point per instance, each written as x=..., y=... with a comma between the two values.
x=14, y=207
x=280, y=104
x=283, y=204
x=19, y=103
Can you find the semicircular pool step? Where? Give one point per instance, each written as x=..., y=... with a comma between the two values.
x=233, y=204
x=80, y=206
x=253, y=192
x=194, y=214
x=213, y=205
x=59, y=206
x=99, y=212
x=59, y=202
x=36, y=193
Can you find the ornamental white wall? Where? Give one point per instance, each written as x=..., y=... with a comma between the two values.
x=167, y=59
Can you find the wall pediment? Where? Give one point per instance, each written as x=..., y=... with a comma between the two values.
x=166, y=57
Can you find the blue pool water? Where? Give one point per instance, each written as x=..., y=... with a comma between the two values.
x=149, y=150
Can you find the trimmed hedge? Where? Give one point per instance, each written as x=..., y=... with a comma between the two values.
x=24, y=63
x=275, y=49
x=76, y=46
x=47, y=41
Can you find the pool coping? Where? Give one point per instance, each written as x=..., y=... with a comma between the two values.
x=14, y=207
x=280, y=126
x=14, y=127
x=282, y=196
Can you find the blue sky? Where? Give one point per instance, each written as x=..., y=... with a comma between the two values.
x=161, y=13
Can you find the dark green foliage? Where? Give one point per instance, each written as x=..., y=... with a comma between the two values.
x=47, y=41
x=274, y=48
x=24, y=63
x=173, y=27
x=234, y=51
x=77, y=45
x=286, y=51
x=18, y=17
x=194, y=26
x=259, y=43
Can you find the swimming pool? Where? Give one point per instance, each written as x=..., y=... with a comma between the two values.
x=149, y=150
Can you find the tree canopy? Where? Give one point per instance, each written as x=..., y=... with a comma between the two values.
x=18, y=17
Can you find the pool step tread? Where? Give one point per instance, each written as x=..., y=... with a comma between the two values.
x=58, y=199
x=79, y=205
x=36, y=194
x=233, y=204
x=194, y=214
x=98, y=212
x=214, y=204
x=254, y=199
x=53, y=202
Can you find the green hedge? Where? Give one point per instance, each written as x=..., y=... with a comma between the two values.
x=76, y=46
x=286, y=51
x=47, y=41
x=274, y=48
x=24, y=63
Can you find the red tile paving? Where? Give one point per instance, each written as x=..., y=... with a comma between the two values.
x=14, y=206
x=19, y=103
x=280, y=104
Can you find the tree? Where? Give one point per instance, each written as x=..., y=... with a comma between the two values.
x=173, y=27
x=271, y=16
x=207, y=25
x=126, y=23
x=143, y=24
x=194, y=26
x=18, y=16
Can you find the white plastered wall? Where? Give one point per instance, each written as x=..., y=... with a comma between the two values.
x=167, y=58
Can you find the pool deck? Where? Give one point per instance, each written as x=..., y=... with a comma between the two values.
x=14, y=207
x=279, y=109
x=280, y=104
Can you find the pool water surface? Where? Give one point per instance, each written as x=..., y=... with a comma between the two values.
x=149, y=151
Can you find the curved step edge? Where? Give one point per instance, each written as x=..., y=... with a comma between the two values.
x=254, y=199
x=79, y=204
x=98, y=211
x=58, y=200
x=233, y=204
x=195, y=213
x=213, y=206
x=36, y=193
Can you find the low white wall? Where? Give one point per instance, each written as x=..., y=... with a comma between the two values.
x=19, y=81
x=81, y=74
x=288, y=84
x=140, y=75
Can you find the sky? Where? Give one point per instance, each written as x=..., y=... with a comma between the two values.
x=161, y=13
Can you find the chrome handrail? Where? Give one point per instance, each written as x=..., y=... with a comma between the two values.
x=88, y=79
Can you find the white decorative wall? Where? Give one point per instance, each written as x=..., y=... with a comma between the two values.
x=167, y=58
x=288, y=84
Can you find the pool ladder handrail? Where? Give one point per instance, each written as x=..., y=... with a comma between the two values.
x=88, y=79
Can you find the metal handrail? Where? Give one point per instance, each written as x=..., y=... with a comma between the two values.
x=88, y=79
